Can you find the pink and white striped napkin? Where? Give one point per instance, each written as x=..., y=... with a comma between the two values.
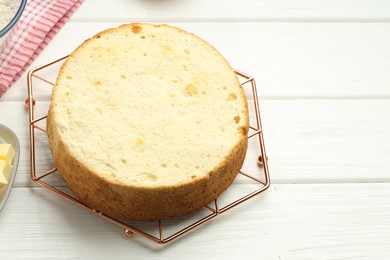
x=40, y=22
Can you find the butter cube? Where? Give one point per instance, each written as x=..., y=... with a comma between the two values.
x=7, y=153
x=5, y=169
x=3, y=180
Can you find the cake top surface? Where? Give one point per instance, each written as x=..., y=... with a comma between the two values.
x=148, y=105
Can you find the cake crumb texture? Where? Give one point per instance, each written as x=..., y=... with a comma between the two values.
x=147, y=122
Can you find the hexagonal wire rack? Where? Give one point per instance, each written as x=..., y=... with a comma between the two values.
x=155, y=230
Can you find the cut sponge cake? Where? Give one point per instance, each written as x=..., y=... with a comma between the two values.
x=147, y=122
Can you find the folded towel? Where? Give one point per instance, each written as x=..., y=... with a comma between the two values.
x=40, y=21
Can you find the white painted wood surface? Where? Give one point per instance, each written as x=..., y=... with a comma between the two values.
x=300, y=221
x=291, y=60
x=322, y=69
x=245, y=10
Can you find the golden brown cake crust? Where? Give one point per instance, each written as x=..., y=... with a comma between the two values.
x=135, y=202
x=145, y=204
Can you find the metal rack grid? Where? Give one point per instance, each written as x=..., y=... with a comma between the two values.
x=261, y=178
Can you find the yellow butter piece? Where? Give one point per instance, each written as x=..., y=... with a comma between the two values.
x=7, y=153
x=5, y=169
x=3, y=180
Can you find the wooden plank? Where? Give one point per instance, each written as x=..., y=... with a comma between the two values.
x=247, y=10
x=327, y=140
x=301, y=221
x=288, y=60
x=308, y=141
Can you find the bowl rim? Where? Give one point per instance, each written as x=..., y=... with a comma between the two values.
x=14, y=20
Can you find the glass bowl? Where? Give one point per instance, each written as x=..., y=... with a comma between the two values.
x=7, y=28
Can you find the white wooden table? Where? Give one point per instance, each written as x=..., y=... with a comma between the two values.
x=323, y=72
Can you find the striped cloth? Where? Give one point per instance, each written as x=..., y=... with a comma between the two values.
x=40, y=22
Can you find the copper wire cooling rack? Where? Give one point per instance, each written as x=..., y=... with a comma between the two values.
x=260, y=177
